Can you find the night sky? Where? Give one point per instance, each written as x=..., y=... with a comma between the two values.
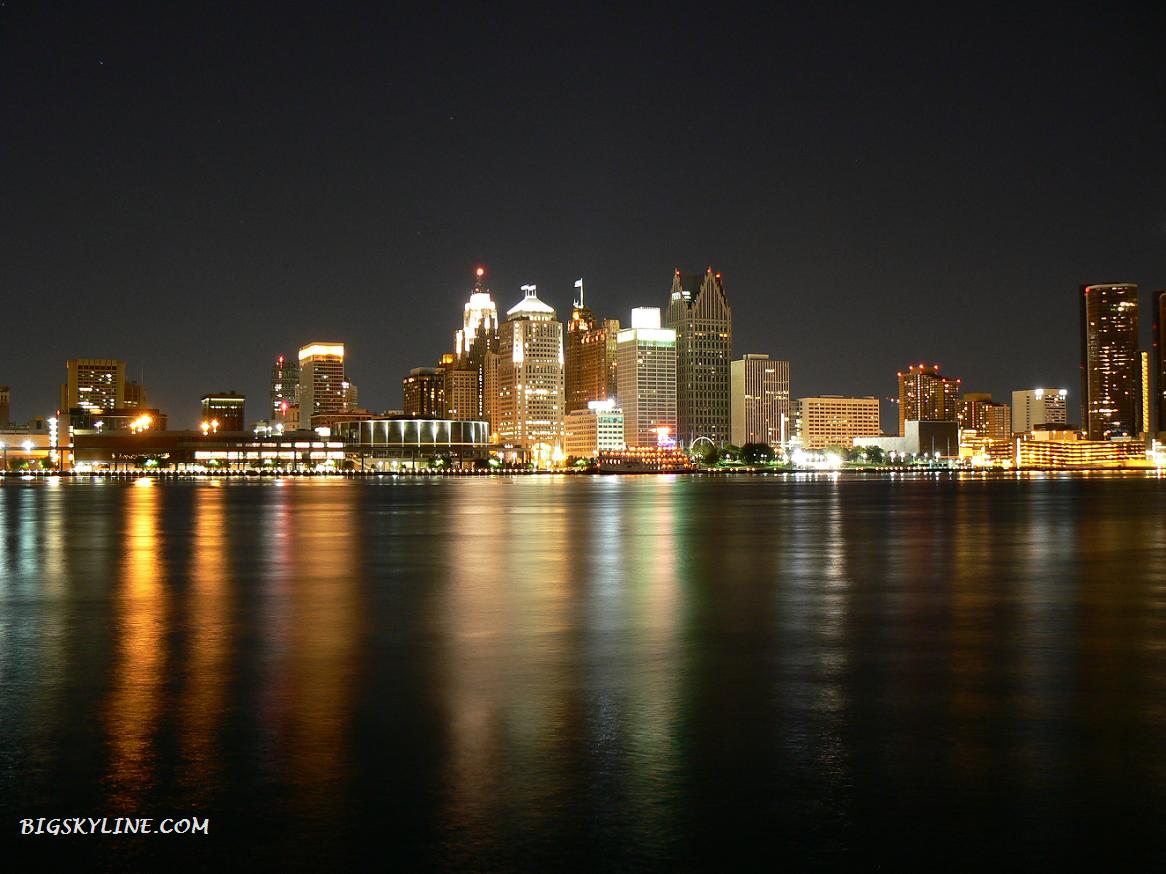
x=197, y=188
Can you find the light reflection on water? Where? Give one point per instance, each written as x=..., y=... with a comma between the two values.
x=500, y=673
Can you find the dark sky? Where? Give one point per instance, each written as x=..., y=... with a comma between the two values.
x=196, y=188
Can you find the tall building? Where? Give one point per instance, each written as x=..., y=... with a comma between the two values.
x=979, y=413
x=134, y=395
x=1110, y=367
x=226, y=408
x=646, y=372
x=699, y=313
x=285, y=387
x=833, y=420
x=462, y=393
x=323, y=385
x=926, y=396
x=529, y=382
x=424, y=393
x=589, y=361
x=1039, y=406
x=1160, y=358
x=477, y=337
x=1145, y=394
x=94, y=384
x=759, y=401
x=5, y=405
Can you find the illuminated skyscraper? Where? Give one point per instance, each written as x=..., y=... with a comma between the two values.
x=1145, y=394
x=699, y=313
x=94, y=384
x=759, y=402
x=646, y=374
x=423, y=391
x=528, y=406
x=1160, y=358
x=589, y=360
x=979, y=413
x=1110, y=366
x=926, y=396
x=324, y=388
x=285, y=387
x=1039, y=406
x=477, y=337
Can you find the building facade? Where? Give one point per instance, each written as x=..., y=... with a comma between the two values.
x=598, y=428
x=423, y=392
x=529, y=376
x=1159, y=343
x=979, y=413
x=5, y=406
x=324, y=389
x=225, y=408
x=927, y=396
x=94, y=384
x=285, y=387
x=1110, y=365
x=463, y=394
x=698, y=311
x=646, y=373
x=477, y=337
x=833, y=420
x=759, y=401
x=1034, y=407
x=589, y=366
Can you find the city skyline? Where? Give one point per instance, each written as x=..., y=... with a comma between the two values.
x=273, y=195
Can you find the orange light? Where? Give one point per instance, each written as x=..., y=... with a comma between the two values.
x=480, y=272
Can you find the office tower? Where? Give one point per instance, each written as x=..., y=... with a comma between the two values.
x=94, y=384
x=759, y=401
x=589, y=361
x=1160, y=358
x=646, y=372
x=226, y=408
x=1145, y=394
x=979, y=413
x=833, y=420
x=5, y=405
x=926, y=396
x=461, y=394
x=529, y=381
x=134, y=395
x=1039, y=406
x=477, y=336
x=323, y=385
x=424, y=393
x=699, y=313
x=285, y=387
x=598, y=428
x=1109, y=360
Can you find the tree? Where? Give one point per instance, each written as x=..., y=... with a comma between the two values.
x=757, y=453
x=875, y=455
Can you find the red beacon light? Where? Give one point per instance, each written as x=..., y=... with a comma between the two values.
x=480, y=272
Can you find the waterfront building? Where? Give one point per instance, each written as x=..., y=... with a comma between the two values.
x=5, y=405
x=94, y=384
x=759, y=401
x=423, y=393
x=285, y=387
x=1145, y=394
x=324, y=387
x=936, y=439
x=528, y=379
x=589, y=356
x=1110, y=365
x=979, y=413
x=1159, y=343
x=598, y=428
x=645, y=459
x=698, y=311
x=225, y=408
x=834, y=420
x=646, y=373
x=926, y=396
x=1039, y=406
x=134, y=395
x=1064, y=448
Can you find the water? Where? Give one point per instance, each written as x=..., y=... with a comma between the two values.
x=588, y=673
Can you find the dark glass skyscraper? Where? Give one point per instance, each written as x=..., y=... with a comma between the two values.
x=1110, y=365
x=285, y=387
x=699, y=313
x=1159, y=314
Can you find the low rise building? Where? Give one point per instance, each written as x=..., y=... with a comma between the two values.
x=598, y=428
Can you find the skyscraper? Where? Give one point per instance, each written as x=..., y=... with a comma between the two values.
x=5, y=400
x=699, y=313
x=1160, y=357
x=324, y=387
x=646, y=374
x=1039, y=406
x=285, y=387
x=529, y=382
x=1110, y=365
x=94, y=384
x=423, y=392
x=759, y=401
x=1145, y=394
x=477, y=337
x=588, y=360
x=926, y=396
x=226, y=408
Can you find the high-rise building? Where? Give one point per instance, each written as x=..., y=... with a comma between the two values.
x=134, y=395
x=477, y=337
x=926, y=396
x=1110, y=366
x=323, y=385
x=5, y=405
x=979, y=413
x=1034, y=407
x=424, y=393
x=833, y=420
x=759, y=401
x=462, y=394
x=226, y=408
x=529, y=383
x=588, y=356
x=646, y=372
x=94, y=384
x=285, y=387
x=699, y=313
x=598, y=428
x=1160, y=358
x=1145, y=394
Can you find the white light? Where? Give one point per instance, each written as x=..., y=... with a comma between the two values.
x=646, y=317
x=314, y=349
